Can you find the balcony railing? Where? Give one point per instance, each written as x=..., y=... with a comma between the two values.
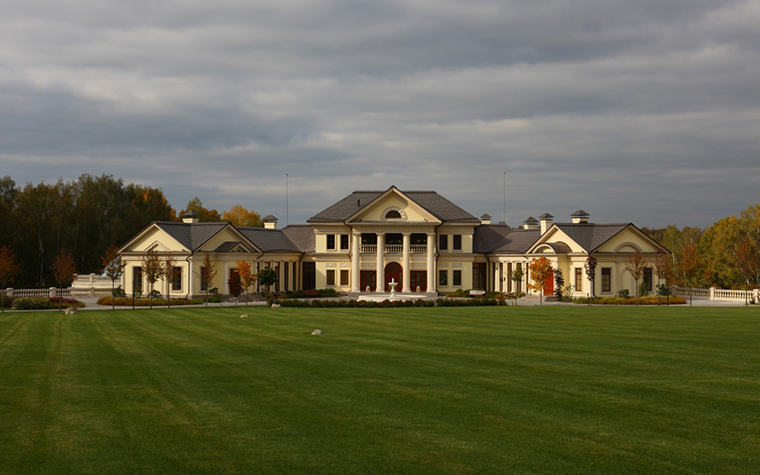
x=394, y=249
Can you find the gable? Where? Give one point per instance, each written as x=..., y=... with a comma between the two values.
x=153, y=237
x=228, y=239
x=556, y=240
x=630, y=240
x=393, y=207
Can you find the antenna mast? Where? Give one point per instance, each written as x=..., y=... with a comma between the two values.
x=287, y=221
x=504, y=209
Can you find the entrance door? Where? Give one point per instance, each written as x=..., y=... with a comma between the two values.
x=549, y=285
x=419, y=279
x=393, y=272
x=367, y=278
x=234, y=280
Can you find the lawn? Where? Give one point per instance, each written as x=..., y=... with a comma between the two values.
x=388, y=390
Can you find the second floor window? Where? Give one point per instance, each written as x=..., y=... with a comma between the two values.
x=344, y=242
x=443, y=242
x=457, y=244
x=331, y=242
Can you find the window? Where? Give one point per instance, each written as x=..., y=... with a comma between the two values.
x=330, y=277
x=606, y=279
x=457, y=278
x=509, y=277
x=204, y=283
x=648, y=279
x=344, y=277
x=176, y=278
x=443, y=242
x=286, y=277
x=457, y=244
x=578, y=279
x=443, y=278
x=137, y=279
x=344, y=242
x=331, y=242
x=393, y=214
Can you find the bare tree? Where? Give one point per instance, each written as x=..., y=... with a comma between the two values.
x=635, y=265
x=152, y=270
x=64, y=270
x=113, y=266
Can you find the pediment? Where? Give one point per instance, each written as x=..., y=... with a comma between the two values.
x=393, y=207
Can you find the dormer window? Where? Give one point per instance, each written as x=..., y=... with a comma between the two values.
x=393, y=214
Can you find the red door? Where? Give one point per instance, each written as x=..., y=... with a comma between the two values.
x=393, y=272
x=549, y=285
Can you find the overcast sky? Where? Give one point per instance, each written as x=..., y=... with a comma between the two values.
x=633, y=110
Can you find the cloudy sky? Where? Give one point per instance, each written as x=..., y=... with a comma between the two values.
x=633, y=110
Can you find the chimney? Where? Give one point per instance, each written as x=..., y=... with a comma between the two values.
x=580, y=217
x=190, y=217
x=546, y=222
x=485, y=219
x=270, y=222
x=530, y=223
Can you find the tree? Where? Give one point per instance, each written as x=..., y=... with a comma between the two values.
x=590, y=267
x=206, y=215
x=206, y=274
x=559, y=284
x=168, y=273
x=267, y=277
x=635, y=265
x=9, y=269
x=663, y=268
x=241, y=217
x=540, y=271
x=689, y=264
x=517, y=277
x=64, y=270
x=247, y=277
x=152, y=270
x=113, y=266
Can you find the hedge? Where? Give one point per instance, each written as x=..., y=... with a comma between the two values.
x=630, y=301
x=390, y=303
x=143, y=302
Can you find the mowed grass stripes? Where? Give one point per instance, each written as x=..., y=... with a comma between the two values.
x=419, y=390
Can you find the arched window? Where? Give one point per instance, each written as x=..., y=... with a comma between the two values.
x=393, y=214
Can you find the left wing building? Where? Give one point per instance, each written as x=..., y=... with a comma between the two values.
x=418, y=239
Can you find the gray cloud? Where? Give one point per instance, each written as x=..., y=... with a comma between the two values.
x=635, y=111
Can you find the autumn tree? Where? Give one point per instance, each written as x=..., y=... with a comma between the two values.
x=9, y=269
x=635, y=265
x=206, y=274
x=167, y=271
x=540, y=272
x=236, y=288
x=590, y=267
x=247, y=277
x=64, y=270
x=241, y=217
x=153, y=270
x=663, y=268
x=113, y=266
x=517, y=277
x=689, y=264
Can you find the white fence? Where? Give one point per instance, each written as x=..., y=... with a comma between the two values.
x=55, y=292
x=717, y=294
x=93, y=281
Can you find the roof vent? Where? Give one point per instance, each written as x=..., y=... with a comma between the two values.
x=530, y=223
x=270, y=222
x=190, y=216
x=579, y=217
x=485, y=219
x=546, y=222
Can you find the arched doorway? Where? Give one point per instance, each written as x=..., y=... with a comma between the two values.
x=393, y=272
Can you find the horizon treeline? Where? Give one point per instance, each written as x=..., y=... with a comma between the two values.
x=84, y=217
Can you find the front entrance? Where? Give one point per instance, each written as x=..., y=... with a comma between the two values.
x=393, y=272
x=549, y=285
x=367, y=278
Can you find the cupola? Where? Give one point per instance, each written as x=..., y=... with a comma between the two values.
x=270, y=222
x=579, y=217
x=546, y=222
x=190, y=216
x=530, y=223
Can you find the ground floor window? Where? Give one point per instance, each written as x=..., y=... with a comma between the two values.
x=479, y=275
x=344, y=277
x=367, y=279
x=330, y=277
x=443, y=278
x=606, y=279
x=137, y=279
x=648, y=279
x=457, y=278
x=419, y=279
x=578, y=279
x=309, y=274
x=204, y=279
x=176, y=278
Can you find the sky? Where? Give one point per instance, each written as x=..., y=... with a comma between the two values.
x=643, y=111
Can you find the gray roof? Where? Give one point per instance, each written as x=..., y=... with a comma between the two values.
x=269, y=240
x=579, y=213
x=227, y=246
x=589, y=235
x=500, y=238
x=191, y=235
x=546, y=216
x=302, y=235
x=435, y=204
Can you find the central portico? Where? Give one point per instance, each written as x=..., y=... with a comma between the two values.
x=393, y=237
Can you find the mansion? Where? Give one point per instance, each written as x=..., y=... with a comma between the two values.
x=417, y=239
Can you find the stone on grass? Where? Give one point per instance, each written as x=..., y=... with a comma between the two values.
x=275, y=305
x=317, y=332
x=244, y=315
x=71, y=311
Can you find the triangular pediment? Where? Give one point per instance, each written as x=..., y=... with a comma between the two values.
x=393, y=207
x=153, y=237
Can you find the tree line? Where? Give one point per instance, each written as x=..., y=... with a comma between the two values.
x=84, y=218
x=724, y=255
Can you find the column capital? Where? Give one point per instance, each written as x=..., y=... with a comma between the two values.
x=380, y=234
x=406, y=234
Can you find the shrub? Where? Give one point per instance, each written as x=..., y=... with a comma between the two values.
x=143, y=302
x=7, y=301
x=32, y=303
x=66, y=303
x=118, y=292
x=328, y=292
x=623, y=294
x=643, y=291
x=629, y=301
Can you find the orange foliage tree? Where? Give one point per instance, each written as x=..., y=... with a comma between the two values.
x=9, y=269
x=241, y=217
x=64, y=270
x=541, y=271
x=247, y=277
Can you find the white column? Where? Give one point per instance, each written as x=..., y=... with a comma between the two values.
x=189, y=290
x=380, y=263
x=406, y=272
x=226, y=276
x=355, y=258
x=431, y=263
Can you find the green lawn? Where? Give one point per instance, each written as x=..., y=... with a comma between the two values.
x=420, y=390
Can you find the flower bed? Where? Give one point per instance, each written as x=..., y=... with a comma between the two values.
x=143, y=302
x=630, y=301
